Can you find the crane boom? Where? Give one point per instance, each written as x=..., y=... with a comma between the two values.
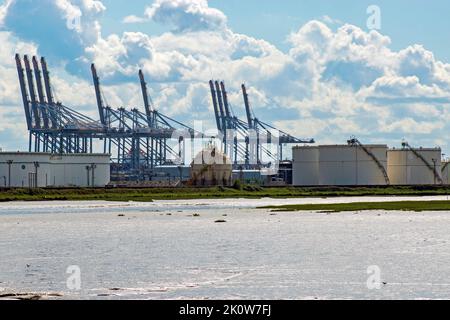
x=48, y=86
x=216, y=109
x=225, y=100
x=222, y=113
x=31, y=89
x=98, y=94
x=40, y=88
x=23, y=89
x=247, y=107
x=148, y=107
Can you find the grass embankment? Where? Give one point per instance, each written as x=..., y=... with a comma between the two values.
x=416, y=206
x=150, y=194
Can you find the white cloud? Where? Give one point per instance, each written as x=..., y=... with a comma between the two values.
x=329, y=84
x=186, y=15
x=133, y=19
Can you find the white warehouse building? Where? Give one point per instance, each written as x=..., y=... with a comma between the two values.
x=28, y=170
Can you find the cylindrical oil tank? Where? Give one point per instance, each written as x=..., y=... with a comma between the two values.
x=446, y=172
x=305, y=166
x=406, y=168
x=352, y=165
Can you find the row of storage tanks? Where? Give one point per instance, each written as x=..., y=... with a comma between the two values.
x=341, y=165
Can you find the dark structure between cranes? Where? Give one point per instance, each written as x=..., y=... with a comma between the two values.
x=137, y=142
x=246, y=142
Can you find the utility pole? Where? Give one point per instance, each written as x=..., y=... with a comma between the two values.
x=88, y=169
x=36, y=166
x=434, y=168
x=9, y=162
x=93, y=166
x=180, y=169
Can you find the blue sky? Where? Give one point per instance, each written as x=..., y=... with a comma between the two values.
x=405, y=21
x=313, y=68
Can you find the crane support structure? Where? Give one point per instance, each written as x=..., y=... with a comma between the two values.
x=355, y=142
x=432, y=168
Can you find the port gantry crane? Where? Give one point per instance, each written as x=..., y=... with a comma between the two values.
x=53, y=127
x=431, y=167
x=140, y=139
x=244, y=141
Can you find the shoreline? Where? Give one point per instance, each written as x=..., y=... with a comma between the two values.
x=411, y=206
x=188, y=193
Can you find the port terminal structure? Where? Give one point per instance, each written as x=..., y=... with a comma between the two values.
x=247, y=143
x=138, y=141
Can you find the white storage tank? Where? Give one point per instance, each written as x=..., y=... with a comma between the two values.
x=352, y=165
x=305, y=166
x=415, y=166
x=446, y=172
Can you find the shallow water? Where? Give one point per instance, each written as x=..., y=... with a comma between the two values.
x=149, y=254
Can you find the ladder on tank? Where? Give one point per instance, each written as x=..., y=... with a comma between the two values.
x=429, y=166
x=445, y=166
x=355, y=142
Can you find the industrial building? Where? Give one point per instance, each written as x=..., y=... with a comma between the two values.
x=37, y=170
x=356, y=164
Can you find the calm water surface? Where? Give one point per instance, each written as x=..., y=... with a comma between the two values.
x=161, y=250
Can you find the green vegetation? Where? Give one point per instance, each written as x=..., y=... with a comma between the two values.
x=364, y=206
x=239, y=191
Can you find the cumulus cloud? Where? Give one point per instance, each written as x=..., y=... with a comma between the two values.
x=182, y=15
x=186, y=15
x=329, y=84
x=61, y=28
x=133, y=19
